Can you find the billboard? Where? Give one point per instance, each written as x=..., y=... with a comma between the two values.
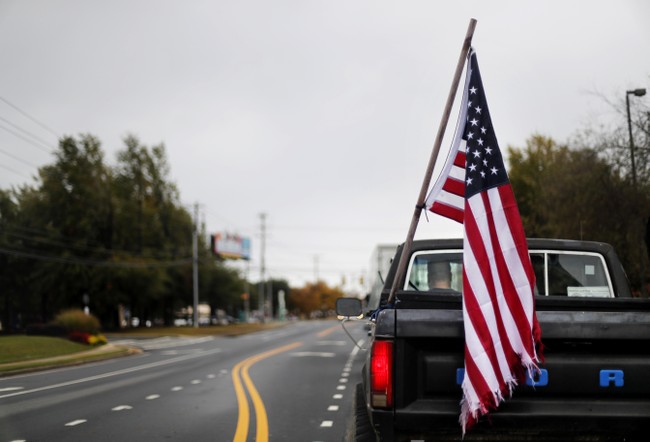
x=231, y=246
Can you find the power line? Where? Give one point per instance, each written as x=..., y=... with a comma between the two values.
x=69, y=246
x=44, y=145
x=14, y=171
x=95, y=263
x=43, y=237
x=25, y=114
x=18, y=158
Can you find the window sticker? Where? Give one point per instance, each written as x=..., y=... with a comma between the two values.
x=589, y=292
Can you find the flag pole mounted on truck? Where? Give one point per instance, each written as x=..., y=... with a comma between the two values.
x=467, y=43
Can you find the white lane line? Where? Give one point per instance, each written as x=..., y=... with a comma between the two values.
x=164, y=342
x=180, y=352
x=321, y=354
x=337, y=396
x=122, y=408
x=211, y=376
x=340, y=387
x=338, y=343
x=11, y=389
x=75, y=423
x=115, y=373
x=343, y=380
x=195, y=382
x=177, y=388
x=327, y=423
x=151, y=397
x=333, y=408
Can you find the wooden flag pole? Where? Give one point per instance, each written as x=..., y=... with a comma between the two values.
x=406, y=250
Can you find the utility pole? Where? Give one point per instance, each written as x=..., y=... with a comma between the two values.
x=195, y=265
x=260, y=292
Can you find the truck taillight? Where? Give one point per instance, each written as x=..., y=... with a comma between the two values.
x=381, y=374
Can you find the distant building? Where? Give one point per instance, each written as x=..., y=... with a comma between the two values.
x=380, y=261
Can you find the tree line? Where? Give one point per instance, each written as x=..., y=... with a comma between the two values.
x=117, y=239
x=108, y=238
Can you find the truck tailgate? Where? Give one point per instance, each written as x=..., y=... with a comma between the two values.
x=596, y=361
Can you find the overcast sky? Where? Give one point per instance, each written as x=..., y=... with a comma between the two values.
x=321, y=114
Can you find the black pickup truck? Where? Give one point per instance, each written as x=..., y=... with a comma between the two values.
x=594, y=383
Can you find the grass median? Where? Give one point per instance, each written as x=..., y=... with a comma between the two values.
x=20, y=353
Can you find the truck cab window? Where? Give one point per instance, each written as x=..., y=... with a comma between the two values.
x=430, y=271
x=560, y=273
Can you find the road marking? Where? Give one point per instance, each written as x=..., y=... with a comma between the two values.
x=122, y=408
x=115, y=373
x=327, y=423
x=320, y=354
x=164, y=342
x=327, y=331
x=337, y=396
x=343, y=380
x=261, y=419
x=151, y=397
x=337, y=343
x=75, y=423
x=11, y=389
x=340, y=387
x=181, y=352
x=211, y=376
x=195, y=382
x=333, y=408
x=177, y=388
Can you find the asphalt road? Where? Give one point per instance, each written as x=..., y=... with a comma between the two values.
x=290, y=384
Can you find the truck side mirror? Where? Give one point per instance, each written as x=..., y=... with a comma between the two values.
x=348, y=307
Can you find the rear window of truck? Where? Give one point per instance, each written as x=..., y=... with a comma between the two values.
x=557, y=273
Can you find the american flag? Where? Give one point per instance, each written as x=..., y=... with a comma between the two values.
x=501, y=328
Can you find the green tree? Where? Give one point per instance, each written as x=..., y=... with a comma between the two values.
x=65, y=221
x=576, y=194
x=151, y=226
x=9, y=266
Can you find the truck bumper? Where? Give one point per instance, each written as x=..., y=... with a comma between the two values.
x=527, y=419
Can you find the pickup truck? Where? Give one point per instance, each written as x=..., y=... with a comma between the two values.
x=594, y=383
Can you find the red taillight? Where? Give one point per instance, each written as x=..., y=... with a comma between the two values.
x=381, y=374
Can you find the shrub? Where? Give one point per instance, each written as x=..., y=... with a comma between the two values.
x=97, y=340
x=77, y=321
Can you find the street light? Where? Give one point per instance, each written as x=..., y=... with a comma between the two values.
x=636, y=93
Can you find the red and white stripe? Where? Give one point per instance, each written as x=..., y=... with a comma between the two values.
x=498, y=303
x=447, y=196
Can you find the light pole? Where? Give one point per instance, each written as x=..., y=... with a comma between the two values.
x=637, y=93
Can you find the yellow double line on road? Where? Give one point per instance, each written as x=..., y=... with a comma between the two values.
x=261, y=423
